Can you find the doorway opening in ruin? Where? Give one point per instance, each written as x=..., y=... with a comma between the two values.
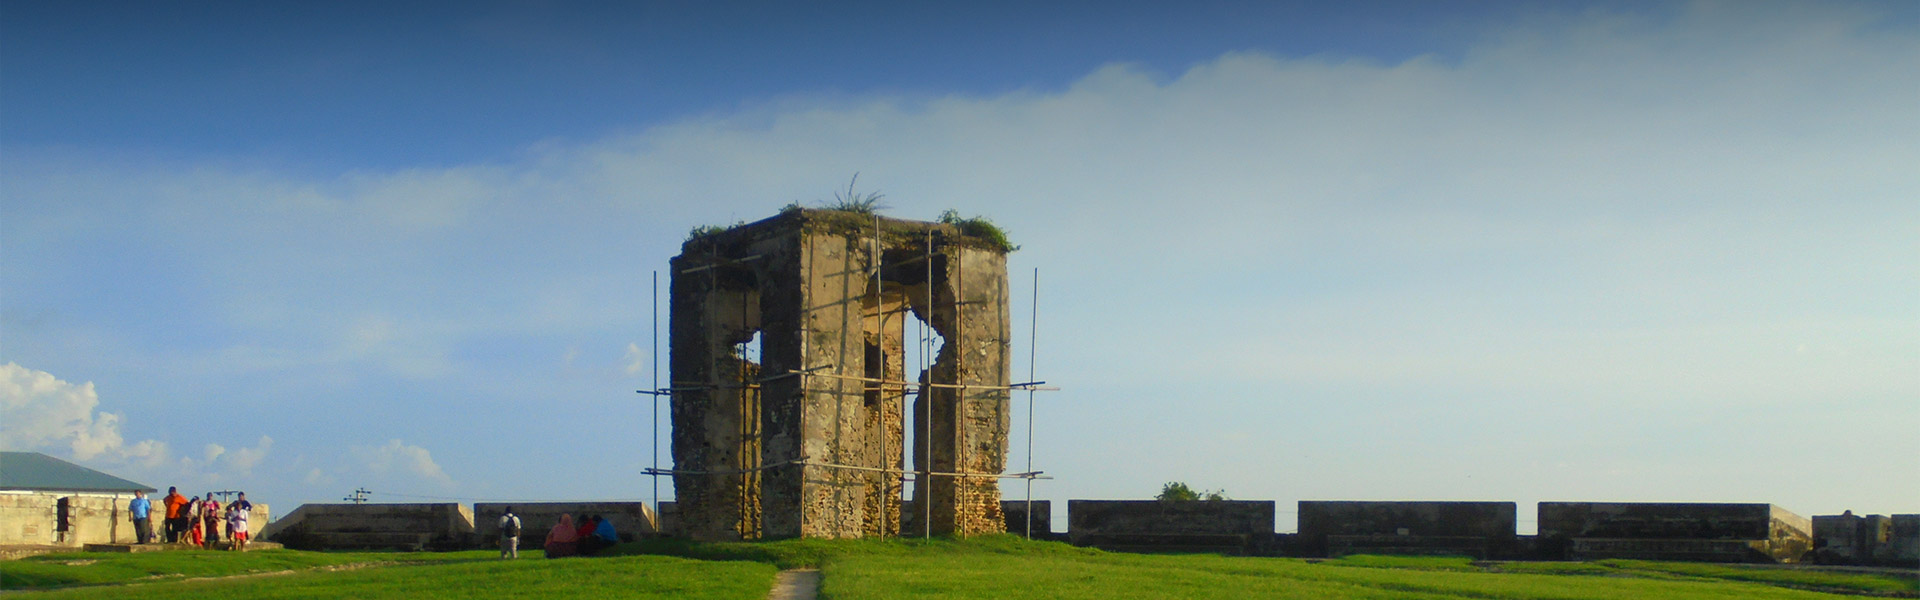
x=920, y=357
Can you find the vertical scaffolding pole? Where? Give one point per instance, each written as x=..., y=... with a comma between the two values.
x=1033, y=338
x=926, y=428
x=654, y=357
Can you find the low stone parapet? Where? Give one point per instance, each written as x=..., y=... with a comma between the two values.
x=1137, y=524
x=374, y=527
x=632, y=520
x=1675, y=530
x=1478, y=529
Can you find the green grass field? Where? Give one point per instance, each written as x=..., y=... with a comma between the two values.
x=373, y=575
x=985, y=567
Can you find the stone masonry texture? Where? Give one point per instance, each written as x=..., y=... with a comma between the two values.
x=806, y=436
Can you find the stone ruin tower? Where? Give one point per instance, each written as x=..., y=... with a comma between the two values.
x=808, y=442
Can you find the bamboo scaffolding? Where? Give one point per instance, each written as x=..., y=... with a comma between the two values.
x=916, y=388
x=718, y=262
x=1035, y=385
x=906, y=474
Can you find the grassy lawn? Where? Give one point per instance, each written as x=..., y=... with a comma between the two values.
x=88, y=568
x=1063, y=575
x=984, y=567
x=428, y=577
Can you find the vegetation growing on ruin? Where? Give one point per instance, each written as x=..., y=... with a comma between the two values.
x=979, y=227
x=855, y=202
x=853, y=212
x=700, y=231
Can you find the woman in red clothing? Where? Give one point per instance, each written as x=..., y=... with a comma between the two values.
x=210, y=519
x=196, y=531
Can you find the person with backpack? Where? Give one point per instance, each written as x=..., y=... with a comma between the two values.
x=509, y=534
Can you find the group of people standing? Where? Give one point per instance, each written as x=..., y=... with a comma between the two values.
x=589, y=537
x=196, y=521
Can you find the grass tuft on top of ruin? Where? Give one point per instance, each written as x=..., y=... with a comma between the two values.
x=950, y=230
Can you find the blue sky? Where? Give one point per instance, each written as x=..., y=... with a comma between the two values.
x=1495, y=251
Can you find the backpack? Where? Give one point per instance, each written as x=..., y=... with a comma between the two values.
x=511, y=527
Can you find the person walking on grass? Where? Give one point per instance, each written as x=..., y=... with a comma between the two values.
x=509, y=534
x=141, y=508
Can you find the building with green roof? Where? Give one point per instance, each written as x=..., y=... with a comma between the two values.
x=45, y=501
x=36, y=472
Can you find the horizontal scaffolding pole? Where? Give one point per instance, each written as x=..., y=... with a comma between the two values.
x=722, y=263
x=694, y=387
x=1034, y=386
x=905, y=475
x=658, y=472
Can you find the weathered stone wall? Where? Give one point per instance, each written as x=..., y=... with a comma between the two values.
x=374, y=526
x=32, y=518
x=1016, y=517
x=717, y=401
x=1244, y=526
x=1850, y=539
x=1337, y=528
x=808, y=443
x=632, y=520
x=1673, y=531
x=1903, y=543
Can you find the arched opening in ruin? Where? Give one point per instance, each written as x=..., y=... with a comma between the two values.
x=818, y=371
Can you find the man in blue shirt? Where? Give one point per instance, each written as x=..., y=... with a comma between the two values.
x=141, y=508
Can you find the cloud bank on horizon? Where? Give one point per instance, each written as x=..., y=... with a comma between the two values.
x=1608, y=257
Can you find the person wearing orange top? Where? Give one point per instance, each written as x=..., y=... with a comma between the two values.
x=177, y=512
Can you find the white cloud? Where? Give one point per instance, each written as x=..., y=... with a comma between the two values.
x=635, y=360
x=399, y=457
x=245, y=459
x=40, y=411
x=44, y=412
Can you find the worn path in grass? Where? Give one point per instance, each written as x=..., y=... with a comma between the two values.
x=796, y=584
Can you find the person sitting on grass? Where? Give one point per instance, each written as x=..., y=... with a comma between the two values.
x=590, y=543
x=562, y=540
x=603, y=529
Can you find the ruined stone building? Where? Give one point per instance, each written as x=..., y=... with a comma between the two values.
x=809, y=439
